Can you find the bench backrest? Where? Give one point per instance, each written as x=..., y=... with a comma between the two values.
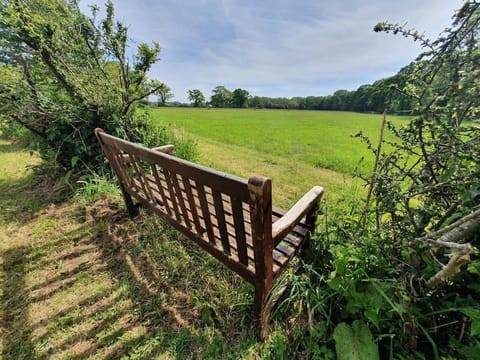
x=226, y=215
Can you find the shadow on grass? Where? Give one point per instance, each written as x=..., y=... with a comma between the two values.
x=104, y=289
x=21, y=198
x=11, y=147
x=85, y=281
x=16, y=342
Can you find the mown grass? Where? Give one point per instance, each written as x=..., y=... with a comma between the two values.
x=319, y=138
x=80, y=279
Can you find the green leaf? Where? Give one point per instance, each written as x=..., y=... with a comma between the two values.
x=355, y=343
x=474, y=316
x=74, y=161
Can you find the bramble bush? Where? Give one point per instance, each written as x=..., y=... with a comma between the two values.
x=396, y=274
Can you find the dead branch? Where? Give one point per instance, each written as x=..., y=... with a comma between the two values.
x=453, y=267
x=373, y=179
x=450, y=237
x=462, y=228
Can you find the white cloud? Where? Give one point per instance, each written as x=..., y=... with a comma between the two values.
x=279, y=48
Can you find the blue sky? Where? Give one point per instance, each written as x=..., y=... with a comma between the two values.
x=278, y=47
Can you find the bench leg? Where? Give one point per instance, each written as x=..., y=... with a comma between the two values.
x=311, y=220
x=131, y=208
x=261, y=311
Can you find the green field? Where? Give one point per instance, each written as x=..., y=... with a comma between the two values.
x=320, y=138
x=297, y=149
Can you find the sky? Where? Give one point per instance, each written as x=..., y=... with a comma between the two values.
x=278, y=48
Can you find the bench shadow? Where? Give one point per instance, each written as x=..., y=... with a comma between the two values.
x=172, y=314
x=156, y=316
x=15, y=302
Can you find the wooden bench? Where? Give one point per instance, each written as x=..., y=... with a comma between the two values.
x=228, y=216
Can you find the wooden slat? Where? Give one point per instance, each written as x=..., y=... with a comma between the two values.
x=144, y=179
x=180, y=200
x=160, y=189
x=119, y=168
x=171, y=192
x=220, y=217
x=239, y=224
x=193, y=206
x=138, y=176
x=206, y=212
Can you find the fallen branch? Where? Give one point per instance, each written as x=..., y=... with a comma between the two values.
x=450, y=237
x=471, y=221
x=453, y=267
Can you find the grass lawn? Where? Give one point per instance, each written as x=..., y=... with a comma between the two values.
x=79, y=279
x=297, y=149
x=320, y=138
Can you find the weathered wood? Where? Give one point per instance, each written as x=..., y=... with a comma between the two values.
x=220, y=216
x=181, y=200
x=164, y=200
x=206, y=213
x=230, y=184
x=239, y=224
x=166, y=149
x=230, y=218
x=193, y=205
x=260, y=190
x=288, y=221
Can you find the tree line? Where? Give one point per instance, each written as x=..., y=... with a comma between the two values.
x=383, y=95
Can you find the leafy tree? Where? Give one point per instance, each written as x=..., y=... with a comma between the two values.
x=164, y=94
x=196, y=97
x=422, y=220
x=221, y=97
x=442, y=141
x=240, y=98
x=68, y=74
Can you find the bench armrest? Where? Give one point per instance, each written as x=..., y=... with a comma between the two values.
x=292, y=217
x=166, y=149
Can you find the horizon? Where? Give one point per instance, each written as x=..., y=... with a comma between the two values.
x=277, y=49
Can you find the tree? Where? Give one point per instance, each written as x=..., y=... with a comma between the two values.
x=164, y=94
x=240, y=98
x=442, y=140
x=196, y=97
x=69, y=74
x=221, y=97
x=425, y=194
